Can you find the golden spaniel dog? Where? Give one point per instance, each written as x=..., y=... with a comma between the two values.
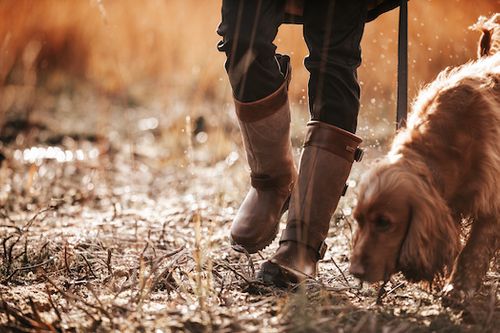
x=442, y=170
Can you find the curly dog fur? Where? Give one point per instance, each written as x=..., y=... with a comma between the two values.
x=443, y=169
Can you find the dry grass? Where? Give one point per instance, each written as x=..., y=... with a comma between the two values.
x=135, y=239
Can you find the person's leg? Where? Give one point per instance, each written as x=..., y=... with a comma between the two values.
x=259, y=79
x=248, y=29
x=333, y=32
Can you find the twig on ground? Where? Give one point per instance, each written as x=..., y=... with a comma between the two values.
x=116, y=208
x=222, y=286
x=342, y=273
x=108, y=261
x=381, y=293
x=34, y=309
x=75, y=298
x=51, y=302
x=161, y=239
x=250, y=263
x=7, y=253
x=91, y=271
x=236, y=272
x=11, y=226
x=144, y=250
x=30, y=221
x=25, y=253
x=66, y=265
x=44, y=246
x=3, y=214
x=399, y=285
x=8, y=278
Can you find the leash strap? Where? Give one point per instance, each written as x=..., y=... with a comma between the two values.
x=402, y=97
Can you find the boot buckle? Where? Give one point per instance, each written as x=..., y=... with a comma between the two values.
x=358, y=154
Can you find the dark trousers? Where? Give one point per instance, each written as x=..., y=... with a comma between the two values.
x=332, y=31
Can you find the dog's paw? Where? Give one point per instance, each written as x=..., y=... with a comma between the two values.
x=454, y=297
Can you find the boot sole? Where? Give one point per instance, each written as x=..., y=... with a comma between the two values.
x=282, y=277
x=256, y=248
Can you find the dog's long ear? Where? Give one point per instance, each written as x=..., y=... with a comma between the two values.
x=432, y=241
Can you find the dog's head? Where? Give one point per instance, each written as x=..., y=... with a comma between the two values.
x=403, y=225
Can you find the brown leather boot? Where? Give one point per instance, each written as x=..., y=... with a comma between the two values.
x=324, y=167
x=265, y=128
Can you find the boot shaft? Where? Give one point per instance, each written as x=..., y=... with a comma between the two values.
x=325, y=165
x=265, y=129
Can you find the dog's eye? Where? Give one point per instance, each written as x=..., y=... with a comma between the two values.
x=382, y=223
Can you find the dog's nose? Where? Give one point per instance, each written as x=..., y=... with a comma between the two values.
x=357, y=269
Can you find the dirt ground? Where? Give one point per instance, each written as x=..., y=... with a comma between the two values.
x=115, y=217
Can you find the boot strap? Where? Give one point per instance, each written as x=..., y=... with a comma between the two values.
x=265, y=182
x=254, y=111
x=290, y=234
x=335, y=140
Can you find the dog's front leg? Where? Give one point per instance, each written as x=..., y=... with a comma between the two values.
x=473, y=262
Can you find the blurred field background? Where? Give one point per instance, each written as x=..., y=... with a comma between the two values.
x=164, y=50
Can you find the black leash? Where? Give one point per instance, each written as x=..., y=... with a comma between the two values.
x=402, y=98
